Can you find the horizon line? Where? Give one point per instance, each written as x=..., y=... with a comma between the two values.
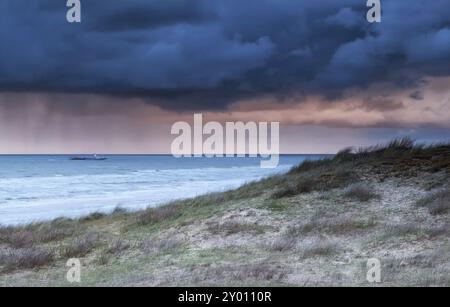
x=144, y=154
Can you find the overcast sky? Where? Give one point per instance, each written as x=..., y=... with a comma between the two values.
x=119, y=79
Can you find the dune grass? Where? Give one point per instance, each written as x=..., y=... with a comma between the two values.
x=437, y=202
x=30, y=258
x=360, y=191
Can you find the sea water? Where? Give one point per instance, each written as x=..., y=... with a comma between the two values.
x=37, y=188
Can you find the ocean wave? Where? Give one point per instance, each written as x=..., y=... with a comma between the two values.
x=45, y=195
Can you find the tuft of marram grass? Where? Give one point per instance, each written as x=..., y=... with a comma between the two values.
x=117, y=247
x=119, y=211
x=361, y=192
x=320, y=248
x=283, y=244
x=34, y=234
x=438, y=231
x=19, y=239
x=437, y=202
x=93, y=217
x=321, y=179
x=103, y=258
x=80, y=247
x=403, y=230
x=159, y=214
x=30, y=258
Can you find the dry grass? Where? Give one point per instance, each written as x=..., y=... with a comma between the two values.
x=426, y=268
x=103, y=258
x=283, y=244
x=162, y=245
x=93, y=217
x=159, y=214
x=80, y=247
x=53, y=234
x=339, y=225
x=321, y=179
x=320, y=248
x=253, y=272
x=34, y=234
x=119, y=211
x=361, y=192
x=440, y=231
x=402, y=230
x=258, y=272
x=117, y=247
x=18, y=239
x=401, y=157
x=233, y=227
x=30, y=258
x=437, y=202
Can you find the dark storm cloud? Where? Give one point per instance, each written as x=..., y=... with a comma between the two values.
x=206, y=54
x=137, y=15
x=417, y=95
